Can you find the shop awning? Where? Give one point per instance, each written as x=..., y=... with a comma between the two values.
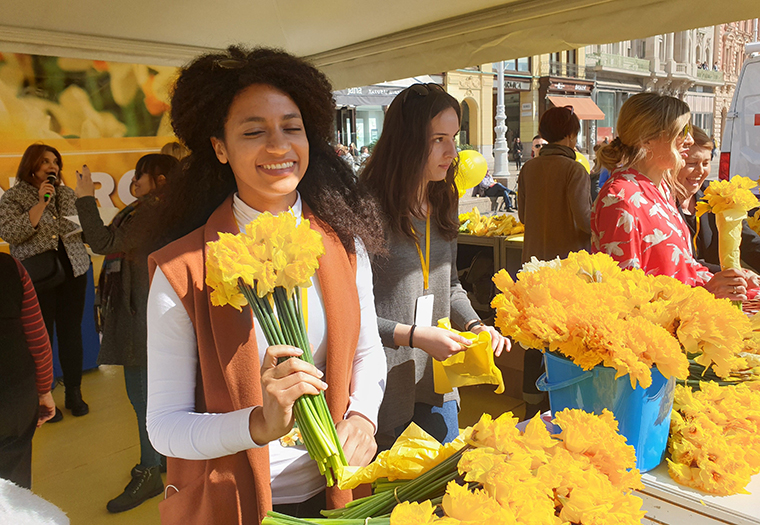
x=584, y=107
x=379, y=94
x=356, y=43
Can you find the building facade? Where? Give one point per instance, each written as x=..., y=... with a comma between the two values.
x=729, y=57
x=472, y=87
x=679, y=64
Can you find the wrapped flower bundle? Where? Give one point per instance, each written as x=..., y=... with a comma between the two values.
x=583, y=475
x=588, y=309
x=715, y=437
x=266, y=267
x=729, y=200
x=476, y=224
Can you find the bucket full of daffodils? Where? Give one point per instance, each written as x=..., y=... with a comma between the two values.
x=266, y=267
x=587, y=310
x=729, y=201
x=495, y=473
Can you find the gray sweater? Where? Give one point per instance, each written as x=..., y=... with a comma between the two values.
x=124, y=301
x=398, y=281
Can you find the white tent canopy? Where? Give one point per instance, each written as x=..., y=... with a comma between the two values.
x=355, y=42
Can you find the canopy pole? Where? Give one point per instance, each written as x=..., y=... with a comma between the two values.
x=500, y=160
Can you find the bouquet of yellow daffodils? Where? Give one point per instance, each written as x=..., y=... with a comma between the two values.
x=715, y=437
x=266, y=267
x=474, y=223
x=729, y=201
x=588, y=309
x=496, y=473
x=754, y=222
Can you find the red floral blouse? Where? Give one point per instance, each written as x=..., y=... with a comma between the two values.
x=638, y=225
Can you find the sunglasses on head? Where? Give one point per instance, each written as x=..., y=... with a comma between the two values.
x=229, y=63
x=421, y=90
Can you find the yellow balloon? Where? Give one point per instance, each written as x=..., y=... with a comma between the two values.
x=472, y=168
x=583, y=160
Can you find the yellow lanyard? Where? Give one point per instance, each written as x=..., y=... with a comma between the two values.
x=425, y=261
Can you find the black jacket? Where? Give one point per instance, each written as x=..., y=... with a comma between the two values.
x=707, y=241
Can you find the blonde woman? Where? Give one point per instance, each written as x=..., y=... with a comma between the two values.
x=635, y=219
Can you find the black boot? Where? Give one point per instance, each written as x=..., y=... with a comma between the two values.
x=74, y=401
x=58, y=416
x=145, y=484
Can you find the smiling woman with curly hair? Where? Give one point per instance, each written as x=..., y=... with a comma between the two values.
x=259, y=125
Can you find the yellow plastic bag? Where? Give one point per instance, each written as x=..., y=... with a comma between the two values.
x=414, y=453
x=473, y=366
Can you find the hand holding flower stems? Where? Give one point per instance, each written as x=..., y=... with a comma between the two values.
x=729, y=201
x=282, y=383
x=266, y=267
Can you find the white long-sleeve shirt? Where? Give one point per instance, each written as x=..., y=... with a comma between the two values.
x=175, y=428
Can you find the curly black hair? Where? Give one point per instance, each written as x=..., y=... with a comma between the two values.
x=203, y=94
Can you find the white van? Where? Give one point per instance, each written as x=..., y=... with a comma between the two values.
x=740, y=150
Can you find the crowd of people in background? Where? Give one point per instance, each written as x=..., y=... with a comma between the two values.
x=355, y=158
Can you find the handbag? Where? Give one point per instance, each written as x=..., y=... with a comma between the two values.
x=45, y=270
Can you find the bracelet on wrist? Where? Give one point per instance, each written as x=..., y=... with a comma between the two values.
x=473, y=324
x=411, y=336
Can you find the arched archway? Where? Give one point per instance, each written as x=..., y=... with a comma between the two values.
x=469, y=131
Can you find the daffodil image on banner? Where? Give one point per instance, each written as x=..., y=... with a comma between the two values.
x=266, y=267
x=729, y=201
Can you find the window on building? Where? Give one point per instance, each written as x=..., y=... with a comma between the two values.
x=661, y=44
x=606, y=102
x=555, y=64
x=519, y=64
x=704, y=121
x=572, y=56
x=464, y=128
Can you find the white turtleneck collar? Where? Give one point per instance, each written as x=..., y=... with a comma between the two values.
x=245, y=214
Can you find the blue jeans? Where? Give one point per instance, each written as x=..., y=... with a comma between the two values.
x=136, y=381
x=440, y=422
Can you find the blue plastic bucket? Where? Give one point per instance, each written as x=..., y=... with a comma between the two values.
x=643, y=414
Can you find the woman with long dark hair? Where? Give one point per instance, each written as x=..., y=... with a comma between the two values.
x=259, y=125
x=123, y=298
x=411, y=173
x=33, y=221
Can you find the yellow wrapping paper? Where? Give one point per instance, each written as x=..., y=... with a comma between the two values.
x=414, y=452
x=729, y=225
x=473, y=366
x=729, y=201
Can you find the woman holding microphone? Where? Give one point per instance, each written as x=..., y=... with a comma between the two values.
x=32, y=221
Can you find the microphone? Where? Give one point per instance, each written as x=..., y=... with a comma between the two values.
x=51, y=180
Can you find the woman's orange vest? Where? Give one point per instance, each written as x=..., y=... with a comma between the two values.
x=236, y=489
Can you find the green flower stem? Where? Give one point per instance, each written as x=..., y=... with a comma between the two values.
x=288, y=309
x=287, y=326
x=275, y=518
x=384, y=484
x=272, y=319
